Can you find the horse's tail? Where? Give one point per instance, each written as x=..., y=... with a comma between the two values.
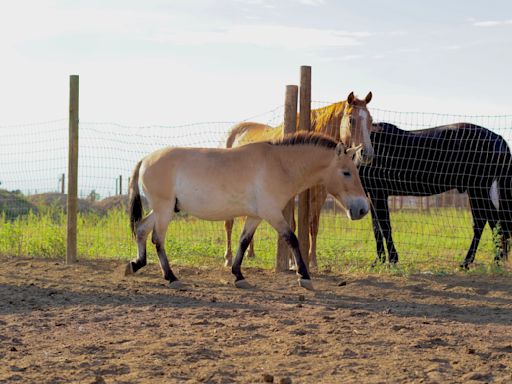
x=135, y=202
x=235, y=131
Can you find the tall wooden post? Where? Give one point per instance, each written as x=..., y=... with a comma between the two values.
x=290, y=126
x=304, y=125
x=120, y=184
x=72, y=200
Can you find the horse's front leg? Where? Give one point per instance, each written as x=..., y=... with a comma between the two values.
x=317, y=197
x=379, y=239
x=283, y=228
x=141, y=234
x=251, y=223
x=381, y=209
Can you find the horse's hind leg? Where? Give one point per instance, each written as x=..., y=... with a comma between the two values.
x=228, y=256
x=163, y=214
x=251, y=223
x=141, y=234
x=251, y=253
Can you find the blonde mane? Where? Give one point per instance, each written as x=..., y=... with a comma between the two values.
x=327, y=119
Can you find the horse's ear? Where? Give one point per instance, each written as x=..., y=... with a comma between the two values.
x=340, y=149
x=352, y=151
x=368, y=97
x=351, y=98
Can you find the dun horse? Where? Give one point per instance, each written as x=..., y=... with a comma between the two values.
x=347, y=121
x=459, y=156
x=256, y=180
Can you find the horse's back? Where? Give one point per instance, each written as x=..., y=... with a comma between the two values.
x=433, y=160
x=250, y=132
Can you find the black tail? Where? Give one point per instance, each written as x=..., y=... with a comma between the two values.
x=135, y=202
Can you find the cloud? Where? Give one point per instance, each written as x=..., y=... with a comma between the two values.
x=314, y=3
x=266, y=35
x=491, y=23
x=342, y=58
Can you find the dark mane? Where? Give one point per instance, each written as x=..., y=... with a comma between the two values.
x=306, y=138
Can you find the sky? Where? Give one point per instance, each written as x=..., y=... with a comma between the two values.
x=173, y=63
x=179, y=62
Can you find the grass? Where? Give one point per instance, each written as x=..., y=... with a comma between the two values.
x=434, y=242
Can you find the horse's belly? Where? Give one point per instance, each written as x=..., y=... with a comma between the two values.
x=213, y=206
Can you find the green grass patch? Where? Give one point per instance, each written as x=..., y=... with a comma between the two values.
x=434, y=242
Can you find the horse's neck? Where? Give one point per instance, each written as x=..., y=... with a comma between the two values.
x=332, y=125
x=304, y=164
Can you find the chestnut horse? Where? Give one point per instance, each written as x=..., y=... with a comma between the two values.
x=255, y=180
x=348, y=121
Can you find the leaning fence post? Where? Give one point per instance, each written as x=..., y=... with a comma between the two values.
x=72, y=200
x=304, y=125
x=290, y=126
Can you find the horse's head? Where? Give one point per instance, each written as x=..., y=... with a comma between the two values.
x=343, y=182
x=355, y=127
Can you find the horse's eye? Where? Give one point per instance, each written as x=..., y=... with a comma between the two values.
x=346, y=173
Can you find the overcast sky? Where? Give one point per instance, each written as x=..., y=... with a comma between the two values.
x=173, y=62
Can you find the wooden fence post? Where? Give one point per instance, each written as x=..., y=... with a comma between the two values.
x=304, y=125
x=120, y=184
x=72, y=200
x=290, y=126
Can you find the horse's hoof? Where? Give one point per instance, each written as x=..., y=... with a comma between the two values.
x=464, y=266
x=306, y=283
x=178, y=285
x=243, y=284
x=129, y=269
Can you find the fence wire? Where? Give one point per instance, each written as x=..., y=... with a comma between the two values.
x=429, y=232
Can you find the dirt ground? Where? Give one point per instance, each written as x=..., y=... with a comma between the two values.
x=87, y=323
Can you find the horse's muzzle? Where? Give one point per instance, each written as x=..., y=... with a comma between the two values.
x=357, y=208
x=365, y=157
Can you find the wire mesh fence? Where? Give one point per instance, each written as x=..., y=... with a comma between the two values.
x=429, y=231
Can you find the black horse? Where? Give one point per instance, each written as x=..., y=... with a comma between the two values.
x=459, y=156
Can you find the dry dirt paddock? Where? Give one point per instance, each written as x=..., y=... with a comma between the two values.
x=88, y=324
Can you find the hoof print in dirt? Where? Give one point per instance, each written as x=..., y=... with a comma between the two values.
x=267, y=378
x=306, y=283
x=178, y=285
x=243, y=284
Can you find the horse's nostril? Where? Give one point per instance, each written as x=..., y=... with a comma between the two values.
x=362, y=212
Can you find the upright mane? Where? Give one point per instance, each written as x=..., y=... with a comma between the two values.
x=306, y=138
